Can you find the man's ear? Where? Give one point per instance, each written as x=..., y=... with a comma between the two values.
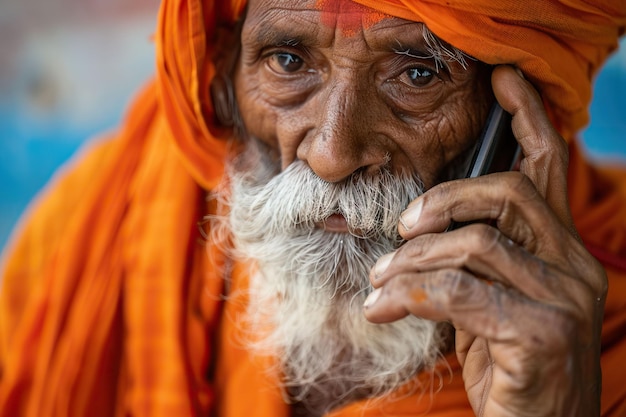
x=227, y=41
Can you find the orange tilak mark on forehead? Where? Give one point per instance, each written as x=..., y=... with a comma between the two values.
x=347, y=16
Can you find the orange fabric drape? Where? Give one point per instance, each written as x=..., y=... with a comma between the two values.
x=96, y=324
x=109, y=303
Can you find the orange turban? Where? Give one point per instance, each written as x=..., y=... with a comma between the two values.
x=109, y=306
x=559, y=45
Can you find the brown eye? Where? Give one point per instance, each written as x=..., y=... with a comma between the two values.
x=285, y=62
x=419, y=77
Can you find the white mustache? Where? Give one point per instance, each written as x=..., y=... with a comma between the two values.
x=296, y=199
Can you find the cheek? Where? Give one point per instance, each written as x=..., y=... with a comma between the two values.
x=267, y=119
x=464, y=112
x=445, y=134
x=422, y=147
x=259, y=118
x=462, y=125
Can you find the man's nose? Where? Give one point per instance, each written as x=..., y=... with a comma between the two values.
x=345, y=139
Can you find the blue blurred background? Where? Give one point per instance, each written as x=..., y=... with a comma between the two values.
x=68, y=69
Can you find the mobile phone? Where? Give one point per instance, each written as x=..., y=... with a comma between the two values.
x=496, y=149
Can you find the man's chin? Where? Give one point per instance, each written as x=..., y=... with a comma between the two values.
x=318, y=329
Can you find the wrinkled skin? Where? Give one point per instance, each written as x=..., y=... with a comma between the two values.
x=344, y=102
x=524, y=295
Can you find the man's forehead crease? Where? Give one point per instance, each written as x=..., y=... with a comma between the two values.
x=277, y=27
x=347, y=16
x=304, y=29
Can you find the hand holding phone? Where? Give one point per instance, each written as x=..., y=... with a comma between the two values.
x=496, y=149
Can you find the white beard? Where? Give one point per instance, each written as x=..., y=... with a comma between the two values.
x=306, y=298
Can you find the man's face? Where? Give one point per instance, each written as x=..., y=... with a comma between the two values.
x=346, y=89
x=359, y=110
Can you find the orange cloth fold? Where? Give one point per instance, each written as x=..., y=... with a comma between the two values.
x=110, y=305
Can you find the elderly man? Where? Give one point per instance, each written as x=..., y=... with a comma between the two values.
x=321, y=144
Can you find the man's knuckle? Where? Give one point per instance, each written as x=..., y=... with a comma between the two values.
x=417, y=247
x=518, y=185
x=454, y=286
x=440, y=191
x=483, y=238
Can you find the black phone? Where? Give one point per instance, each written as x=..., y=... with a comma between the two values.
x=496, y=150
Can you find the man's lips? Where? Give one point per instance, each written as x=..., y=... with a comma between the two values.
x=334, y=223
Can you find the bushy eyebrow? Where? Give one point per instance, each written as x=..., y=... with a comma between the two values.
x=268, y=32
x=269, y=35
x=435, y=49
x=422, y=53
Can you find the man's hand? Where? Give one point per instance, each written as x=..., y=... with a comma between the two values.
x=524, y=295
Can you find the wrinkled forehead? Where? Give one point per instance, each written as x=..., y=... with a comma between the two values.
x=344, y=15
x=322, y=21
x=347, y=16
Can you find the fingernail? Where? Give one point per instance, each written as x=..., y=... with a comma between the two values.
x=372, y=298
x=411, y=215
x=520, y=73
x=382, y=264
